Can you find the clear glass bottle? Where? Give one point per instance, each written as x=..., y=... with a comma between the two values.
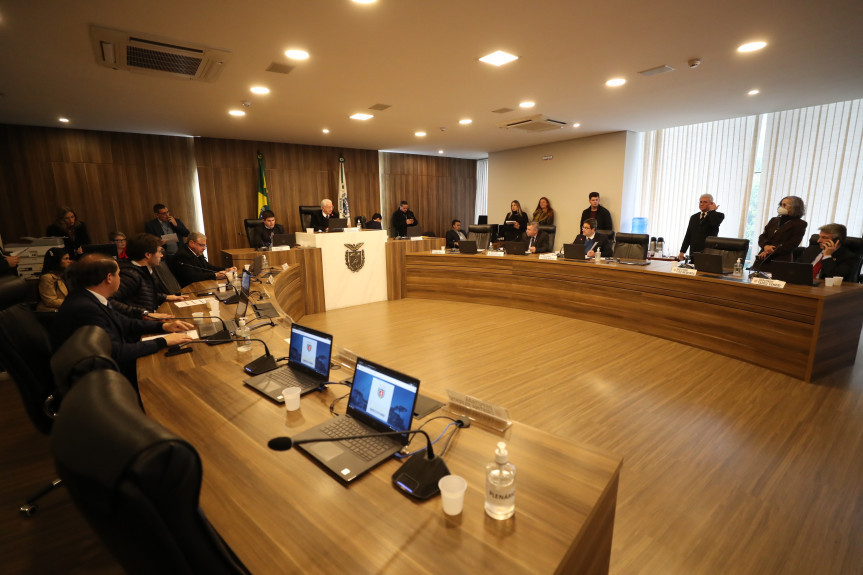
x=265, y=265
x=738, y=268
x=244, y=344
x=500, y=485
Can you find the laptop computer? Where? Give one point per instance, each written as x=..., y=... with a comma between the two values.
x=284, y=240
x=337, y=224
x=515, y=248
x=257, y=265
x=308, y=365
x=467, y=247
x=414, y=231
x=573, y=251
x=709, y=263
x=381, y=400
x=797, y=273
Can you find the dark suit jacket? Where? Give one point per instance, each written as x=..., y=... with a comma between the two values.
x=603, y=218
x=139, y=287
x=189, y=268
x=399, y=222
x=842, y=263
x=699, y=230
x=321, y=222
x=601, y=240
x=785, y=233
x=154, y=227
x=541, y=241
x=373, y=225
x=262, y=237
x=452, y=237
x=511, y=234
x=81, y=237
x=83, y=308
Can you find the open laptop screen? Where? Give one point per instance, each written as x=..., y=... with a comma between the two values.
x=382, y=398
x=310, y=349
x=245, y=287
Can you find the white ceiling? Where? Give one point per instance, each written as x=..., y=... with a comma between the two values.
x=420, y=57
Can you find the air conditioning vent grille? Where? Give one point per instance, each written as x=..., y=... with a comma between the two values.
x=537, y=123
x=162, y=61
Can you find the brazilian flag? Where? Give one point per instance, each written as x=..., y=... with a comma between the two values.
x=263, y=195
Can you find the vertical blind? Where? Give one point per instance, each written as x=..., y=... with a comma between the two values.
x=481, y=208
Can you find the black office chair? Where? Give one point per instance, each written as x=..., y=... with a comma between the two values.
x=551, y=231
x=306, y=216
x=250, y=224
x=164, y=275
x=856, y=246
x=731, y=249
x=607, y=233
x=631, y=246
x=479, y=233
x=137, y=483
x=360, y=221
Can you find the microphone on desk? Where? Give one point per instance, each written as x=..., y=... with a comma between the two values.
x=263, y=364
x=417, y=477
x=218, y=338
x=755, y=269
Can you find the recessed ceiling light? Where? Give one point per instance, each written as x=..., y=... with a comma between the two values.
x=259, y=90
x=365, y=1
x=751, y=46
x=440, y=151
x=419, y=134
x=576, y=125
x=64, y=120
x=237, y=113
x=498, y=58
x=752, y=92
x=615, y=82
x=325, y=131
x=527, y=104
x=360, y=116
x=297, y=54
x=465, y=122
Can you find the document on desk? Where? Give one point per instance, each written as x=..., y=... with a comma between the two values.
x=191, y=302
x=193, y=333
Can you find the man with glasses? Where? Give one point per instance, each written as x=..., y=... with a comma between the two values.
x=191, y=266
x=164, y=224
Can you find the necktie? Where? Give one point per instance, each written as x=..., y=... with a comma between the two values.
x=702, y=216
x=816, y=269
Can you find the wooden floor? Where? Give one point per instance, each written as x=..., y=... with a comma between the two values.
x=728, y=468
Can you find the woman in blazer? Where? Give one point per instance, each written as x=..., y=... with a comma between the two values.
x=52, y=288
x=784, y=232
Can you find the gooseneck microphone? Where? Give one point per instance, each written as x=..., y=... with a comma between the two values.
x=417, y=477
x=218, y=338
x=263, y=364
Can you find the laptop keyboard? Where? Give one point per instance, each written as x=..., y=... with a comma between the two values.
x=366, y=448
x=286, y=377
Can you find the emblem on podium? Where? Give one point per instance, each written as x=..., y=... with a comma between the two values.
x=355, y=258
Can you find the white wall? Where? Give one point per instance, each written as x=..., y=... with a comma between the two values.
x=576, y=168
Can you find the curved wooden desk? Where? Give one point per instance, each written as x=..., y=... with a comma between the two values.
x=281, y=513
x=802, y=331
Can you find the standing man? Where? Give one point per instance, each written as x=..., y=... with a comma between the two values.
x=828, y=256
x=538, y=241
x=702, y=225
x=455, y=235
x=191, y=266
x=402, y=219
x=598, y=213
x=594, y=243
x=321, y=219
x=165, y=224
x=262, y=236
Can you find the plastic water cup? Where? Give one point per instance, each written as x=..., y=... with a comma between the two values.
x=222, y=288
x=828, y=282
x=837, y=280
x=291, y=395
x=452, y=488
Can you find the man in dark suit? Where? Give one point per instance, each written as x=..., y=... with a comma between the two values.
x=402, y=219
x=321, y=219
x=592, y=240
x=598, y=213
x=191, y=266
x=98, y=278
x=139, y=286
x=454, y=235
x=375, y=222
x=538, y=241
x=262, y=236
x=702, y=225
x=828, y=256
x=164, y=224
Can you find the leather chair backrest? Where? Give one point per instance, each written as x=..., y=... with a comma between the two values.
x=87, y=350
x=250, y=224
x=306, y=216
x=631, y=246
x=856, y=246
x=167, y=278
x=551, y=231
x=479, y=233
x=137, y=483
x=607, y=233
x=731, y=249
x=25, y=351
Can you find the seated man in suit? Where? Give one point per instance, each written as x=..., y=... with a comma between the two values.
x=375, y=222
x=828, y=256
x=402, y=219
x=454, y=235
x=138, y=285
x=593, y=242
x=190, y=265
x=538, y=241
x=164, y=224
x=97, y=279
x=262, y=236
x=321, y=219
x=701, y=226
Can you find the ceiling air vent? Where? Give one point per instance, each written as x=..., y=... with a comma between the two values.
x=537, y=123
x=157, y=56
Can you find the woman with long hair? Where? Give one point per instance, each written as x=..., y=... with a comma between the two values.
x=52, y=287
x=783, y=232
x=515, y=222
x=71, y=229
x=543, y=214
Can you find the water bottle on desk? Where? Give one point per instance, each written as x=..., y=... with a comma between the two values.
x=738, y=268
x=243, y=333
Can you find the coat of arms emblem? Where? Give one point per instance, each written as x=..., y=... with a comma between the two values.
x=355, y=258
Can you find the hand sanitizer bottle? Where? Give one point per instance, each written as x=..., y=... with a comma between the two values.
x=500, y=485
x=244, y=344
x=738, y=268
